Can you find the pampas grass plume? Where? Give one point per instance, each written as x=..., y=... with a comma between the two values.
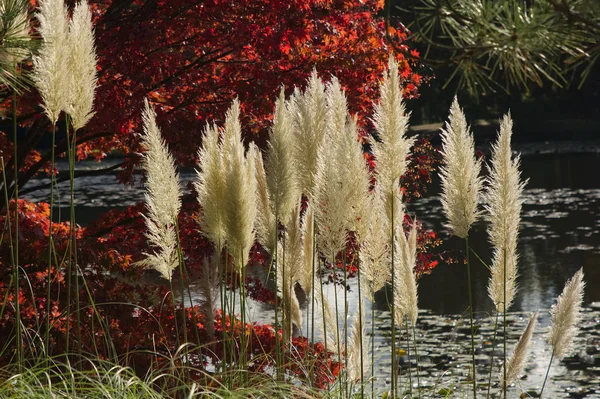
x=210, y=186
x=357, y=344
x=566, y=315
x=355, y=173
x=82, y=66
x=504, y=197
x=266, y=225
x=375, y=250
x=310, y=258
x=405, y=284
x=461, y=183
x=280, y=163
x=309, y=112
x=50, y=74
x=163, y=197
x=290, y=268
x=391, y=146
x=239, y=203
x=516, y=363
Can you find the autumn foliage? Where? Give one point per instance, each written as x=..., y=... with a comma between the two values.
x=191, y=58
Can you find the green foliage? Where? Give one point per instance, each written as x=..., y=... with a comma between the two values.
x=489, y=44
x=15, y=43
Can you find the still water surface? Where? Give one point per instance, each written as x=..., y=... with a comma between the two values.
x=560, y=233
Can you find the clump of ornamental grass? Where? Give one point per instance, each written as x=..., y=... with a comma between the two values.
x=163, y=198
x=92, y=379
x=566, y=315
x=342, y=185
x=226, y=185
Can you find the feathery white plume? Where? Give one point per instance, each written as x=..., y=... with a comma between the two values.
x=405, y=284
x=163, y=197
x=310, y=258
x=390, y=147
x=375, y=250
x=461, y=183
x=357, y=345
x=50, y=72
x=504, y=197
x=566, y=315
x=210, y=186
x=355, y=173
x=279, y=163
x=309, y=111
x=82, y=66
x=289, y=270
x=330, y=194
x=266, y=225
x=240, y=199
x=337, y=111
x=516, y=363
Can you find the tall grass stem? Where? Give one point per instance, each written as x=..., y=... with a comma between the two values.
x=470, y=289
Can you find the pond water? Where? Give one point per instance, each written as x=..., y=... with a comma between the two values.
x=560, y=234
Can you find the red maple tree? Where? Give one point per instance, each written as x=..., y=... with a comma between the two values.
x=192, y=57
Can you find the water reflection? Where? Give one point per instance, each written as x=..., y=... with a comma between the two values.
x=560, y=230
